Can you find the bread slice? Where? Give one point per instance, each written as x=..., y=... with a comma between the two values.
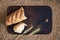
x=16, y=17
x=19, y=27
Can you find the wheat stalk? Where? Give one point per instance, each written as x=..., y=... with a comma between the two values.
x=33, y=32
x=28, y=30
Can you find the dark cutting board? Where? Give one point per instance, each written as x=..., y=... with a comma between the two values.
x=37, y=15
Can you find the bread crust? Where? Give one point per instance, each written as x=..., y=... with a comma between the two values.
x=16, y=17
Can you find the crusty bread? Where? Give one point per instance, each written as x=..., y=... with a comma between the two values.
x=16, y=17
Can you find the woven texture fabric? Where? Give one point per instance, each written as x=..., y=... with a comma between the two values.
x=54, y=4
